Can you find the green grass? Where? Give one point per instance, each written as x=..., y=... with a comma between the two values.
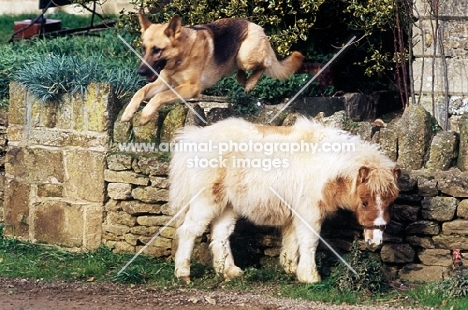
x=64, y=64
x=38, y=261
x=67, y=20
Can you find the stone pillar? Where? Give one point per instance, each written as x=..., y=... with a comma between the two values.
x=441, y=77
x=54, y=166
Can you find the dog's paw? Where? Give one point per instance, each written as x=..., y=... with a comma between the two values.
x=144, y=119
x=126, y=116
x=147, y=114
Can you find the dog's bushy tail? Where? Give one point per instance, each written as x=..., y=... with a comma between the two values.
x=283, y=69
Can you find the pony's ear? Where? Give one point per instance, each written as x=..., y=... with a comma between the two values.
x=173, y=29
x=396, y=173
x=364, y=174
x=144, y=21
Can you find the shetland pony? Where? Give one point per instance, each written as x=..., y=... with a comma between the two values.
x=289, y=177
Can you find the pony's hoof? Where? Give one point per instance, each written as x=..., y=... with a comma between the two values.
x=289, y=266
x=311, y=279
x=185, y=279
x=232, y=273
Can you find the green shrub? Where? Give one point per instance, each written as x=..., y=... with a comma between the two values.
x=268, y=89
x=286, y=21
x=369, y=275
x=454, y=287
x=55, y=75
x=311, y=26
x=65, y=65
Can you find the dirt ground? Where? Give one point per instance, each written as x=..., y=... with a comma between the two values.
x=21, y=294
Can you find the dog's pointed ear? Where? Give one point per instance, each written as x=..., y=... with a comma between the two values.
x=173, y=28
x=144, y=21
x=364, y=174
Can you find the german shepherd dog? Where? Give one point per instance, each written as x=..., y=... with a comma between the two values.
x=192, y=59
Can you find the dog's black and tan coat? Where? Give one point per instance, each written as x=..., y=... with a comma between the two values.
x=192, y=59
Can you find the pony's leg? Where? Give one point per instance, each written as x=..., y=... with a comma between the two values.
x=221, y=230
x=308, y=241
x=197, y=219
x=289, y=249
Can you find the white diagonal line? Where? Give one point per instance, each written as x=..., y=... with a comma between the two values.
x=308, y=83
x=160, y=231
x=159, y=77
x=313, y=230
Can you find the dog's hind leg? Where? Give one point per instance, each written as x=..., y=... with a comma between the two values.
x=221, y=230
x=253, y=79
x=241, y=77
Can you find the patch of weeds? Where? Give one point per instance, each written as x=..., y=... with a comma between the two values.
x=454, y=287
x=131, y=275
x=369, y=276
x=350, y=125
x=437, y=295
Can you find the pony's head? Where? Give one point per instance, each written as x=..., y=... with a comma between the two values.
x=376, y=189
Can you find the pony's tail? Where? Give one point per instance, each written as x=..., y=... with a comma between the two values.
x=283, y=69
x=179, y=184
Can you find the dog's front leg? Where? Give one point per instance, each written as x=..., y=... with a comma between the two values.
x=146, y=92
x=186, y=91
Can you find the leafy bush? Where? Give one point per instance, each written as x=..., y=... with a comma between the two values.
x=369, y=275
x=314, y=27
x=286, y=21
x=268, y=89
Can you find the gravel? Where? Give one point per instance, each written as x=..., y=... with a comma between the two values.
x=19, y=294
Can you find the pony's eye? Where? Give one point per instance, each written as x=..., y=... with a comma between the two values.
x=364, y=204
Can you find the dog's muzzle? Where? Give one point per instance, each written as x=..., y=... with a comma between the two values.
x=152, y=73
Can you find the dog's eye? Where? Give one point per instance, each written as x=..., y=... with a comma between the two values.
x=156, y=50
x=143, y=49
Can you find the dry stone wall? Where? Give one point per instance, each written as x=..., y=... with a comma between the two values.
x=69, y=183
x=137, y=208
x=429, y=217
x=54, y=167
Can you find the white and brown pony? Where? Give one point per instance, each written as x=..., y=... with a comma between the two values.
x=269, y=176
